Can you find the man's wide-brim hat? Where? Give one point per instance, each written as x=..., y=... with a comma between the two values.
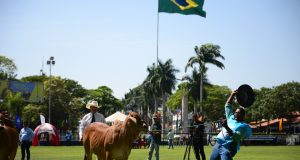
x=245, y=95
x=92, y=103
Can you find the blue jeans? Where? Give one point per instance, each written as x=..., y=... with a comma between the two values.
x=171, y=143
x=220, y=152
x=153, y=146
x=25, y=145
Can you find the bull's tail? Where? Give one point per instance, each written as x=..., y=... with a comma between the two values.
x=13, y=154
x=87, y=148
x=86, y=144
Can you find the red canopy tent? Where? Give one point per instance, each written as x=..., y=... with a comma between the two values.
x=46, y=128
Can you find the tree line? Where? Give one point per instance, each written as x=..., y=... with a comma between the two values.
x=158, y=92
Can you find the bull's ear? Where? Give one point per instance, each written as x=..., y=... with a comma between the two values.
x=129, y=114
x=133, y=119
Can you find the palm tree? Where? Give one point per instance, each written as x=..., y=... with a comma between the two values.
x=193, y=85
x=149, y=101
x=150, y=84
x=207, y=53
x=160, y=82
x=166, y=83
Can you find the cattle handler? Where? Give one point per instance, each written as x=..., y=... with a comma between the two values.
x=155, y=133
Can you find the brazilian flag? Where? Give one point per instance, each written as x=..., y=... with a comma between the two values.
x=182, y=7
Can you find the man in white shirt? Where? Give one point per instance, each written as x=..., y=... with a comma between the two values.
x=93, y=116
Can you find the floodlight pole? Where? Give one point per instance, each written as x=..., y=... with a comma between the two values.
x=50, y=62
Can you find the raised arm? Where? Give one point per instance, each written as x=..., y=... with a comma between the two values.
x=231, y=97
x=228, y=105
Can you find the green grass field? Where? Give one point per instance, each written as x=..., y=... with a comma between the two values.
x=246, y=153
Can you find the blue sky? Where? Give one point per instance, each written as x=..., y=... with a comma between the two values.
x=112, y=42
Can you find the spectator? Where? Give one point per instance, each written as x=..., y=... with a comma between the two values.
x=68, y=137
x=170, y=136
x=25, y=137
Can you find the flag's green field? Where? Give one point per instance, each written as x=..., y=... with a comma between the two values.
x=246, y=153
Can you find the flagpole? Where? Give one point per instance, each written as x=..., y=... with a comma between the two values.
x=157, y=33
x=157, y=38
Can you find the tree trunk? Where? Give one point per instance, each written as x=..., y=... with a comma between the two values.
x=195, y=106
x=148, y=117
x=201, y=93
x=185, y=113
x=164, y=113
x=155, y=104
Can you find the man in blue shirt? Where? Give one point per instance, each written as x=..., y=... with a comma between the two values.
x=25, y=137
x=234, y=129
x=68, y=137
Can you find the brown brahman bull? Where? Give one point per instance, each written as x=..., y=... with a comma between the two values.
x=9, y=139
x=112, y=142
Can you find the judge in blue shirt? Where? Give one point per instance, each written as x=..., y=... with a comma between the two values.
x=234, y=129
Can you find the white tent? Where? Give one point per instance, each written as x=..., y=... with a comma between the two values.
x=118, y=115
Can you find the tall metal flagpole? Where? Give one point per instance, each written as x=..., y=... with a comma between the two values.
x=157, y=38
x=157, y=33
